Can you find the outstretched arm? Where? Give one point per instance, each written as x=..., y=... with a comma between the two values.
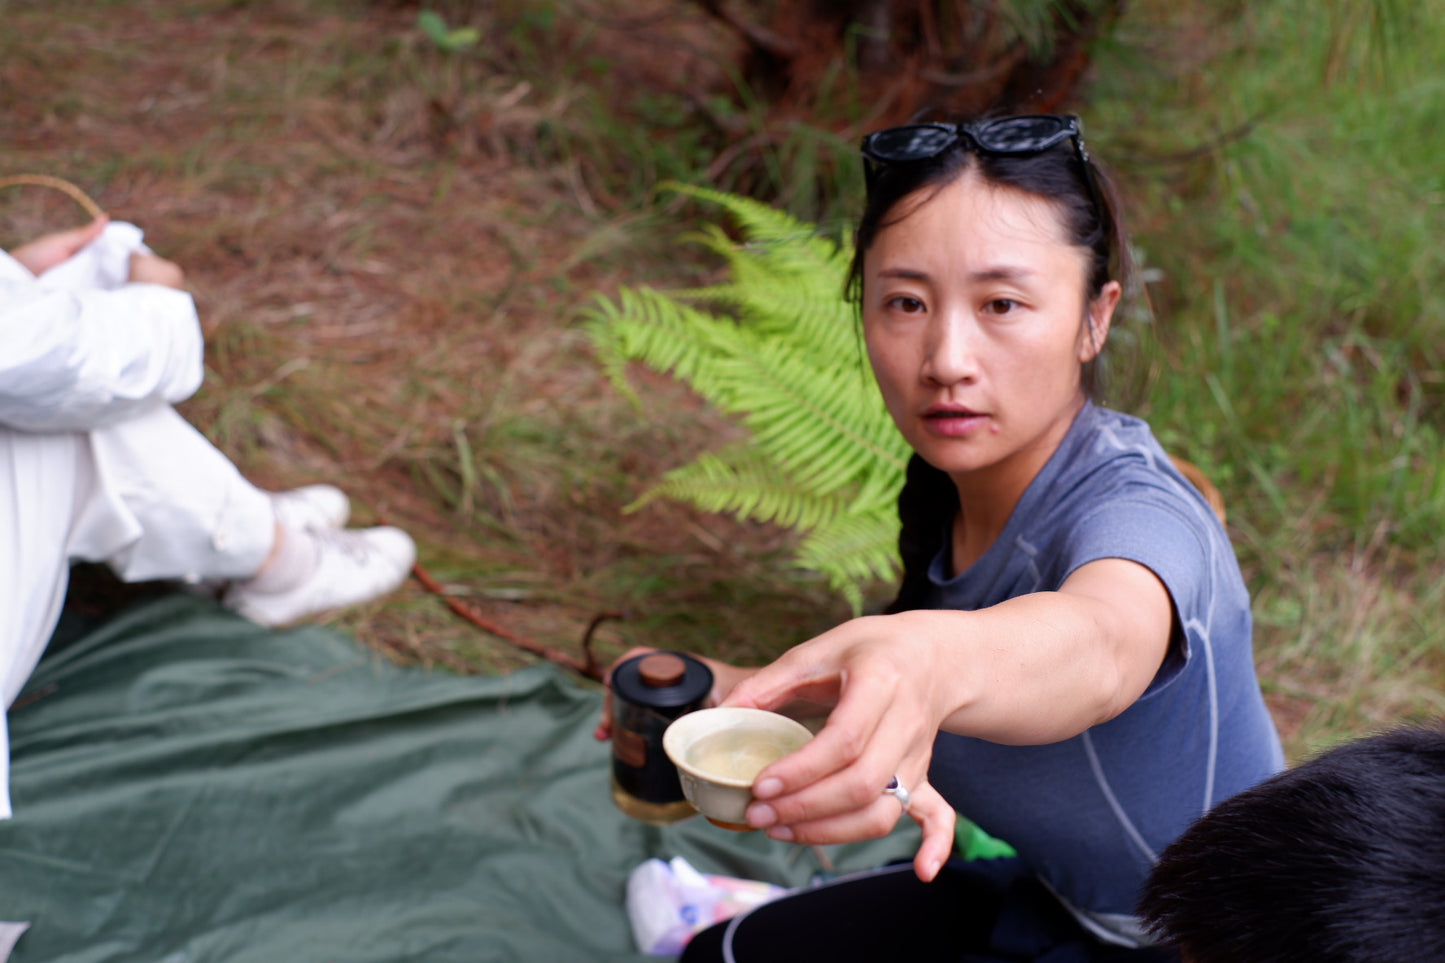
x=1035, y=669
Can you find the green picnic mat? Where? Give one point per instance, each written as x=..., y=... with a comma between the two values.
x=190, y=787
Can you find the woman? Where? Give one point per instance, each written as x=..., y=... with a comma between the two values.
x=1069, y=662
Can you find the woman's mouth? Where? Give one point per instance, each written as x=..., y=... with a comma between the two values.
x=953, y=422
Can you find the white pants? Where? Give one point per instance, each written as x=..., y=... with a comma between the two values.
x=150, y=496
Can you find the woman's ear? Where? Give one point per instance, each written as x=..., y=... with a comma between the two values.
x=1095, y=329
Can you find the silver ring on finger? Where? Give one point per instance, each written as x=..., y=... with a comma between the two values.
x=899, y=792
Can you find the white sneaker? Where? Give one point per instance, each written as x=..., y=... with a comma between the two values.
x=311, y=508
x=353, y=565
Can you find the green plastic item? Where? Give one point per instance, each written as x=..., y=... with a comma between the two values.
x=971, y=843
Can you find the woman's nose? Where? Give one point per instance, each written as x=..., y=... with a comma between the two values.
x=949, y=354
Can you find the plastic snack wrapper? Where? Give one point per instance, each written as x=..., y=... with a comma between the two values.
x=669, y=902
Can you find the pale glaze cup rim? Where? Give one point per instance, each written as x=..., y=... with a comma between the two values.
x=679, y=735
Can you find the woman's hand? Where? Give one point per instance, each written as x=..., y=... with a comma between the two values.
x=1035, y=669
x=43, y=253
x=150, y=269
x=888, y=709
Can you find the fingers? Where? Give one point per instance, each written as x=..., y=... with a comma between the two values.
x=46, y=252
x=887, y=708
x=831, y=790
x=841, y=770
x=937, y=819
x=836, y=810
x=934, y=816
x=874, y=731
x=844, y=803
x=81, y=236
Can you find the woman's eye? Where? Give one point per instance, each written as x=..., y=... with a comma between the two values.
x=906, y=305
x=1000, y=306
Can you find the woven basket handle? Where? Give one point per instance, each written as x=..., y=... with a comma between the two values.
x=44, y=180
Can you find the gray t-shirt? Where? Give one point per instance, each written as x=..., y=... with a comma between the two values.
x=1091, y=814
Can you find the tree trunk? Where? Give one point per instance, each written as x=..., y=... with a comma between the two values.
x=897, y=58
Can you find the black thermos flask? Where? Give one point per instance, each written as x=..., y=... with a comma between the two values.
x=648, y=692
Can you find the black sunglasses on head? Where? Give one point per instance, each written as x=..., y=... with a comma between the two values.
x=1025, y=134
x=1021, y=135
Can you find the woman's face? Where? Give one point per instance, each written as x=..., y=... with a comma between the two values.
x=975, y=316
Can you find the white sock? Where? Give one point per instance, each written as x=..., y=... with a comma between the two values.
x=295, y=560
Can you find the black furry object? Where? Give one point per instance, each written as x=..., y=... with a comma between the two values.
x=1339, y=860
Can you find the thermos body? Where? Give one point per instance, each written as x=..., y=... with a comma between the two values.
x=648, y=692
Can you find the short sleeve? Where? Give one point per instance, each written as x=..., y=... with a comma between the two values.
x=1173, y=538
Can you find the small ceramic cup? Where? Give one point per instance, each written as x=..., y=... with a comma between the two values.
x=719, y=752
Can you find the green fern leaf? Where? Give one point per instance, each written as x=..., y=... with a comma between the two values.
x=777, y=346
x=742, y=481
x=852, y=549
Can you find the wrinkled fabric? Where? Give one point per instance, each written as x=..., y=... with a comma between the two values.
x=192, y=787
x=83, y=350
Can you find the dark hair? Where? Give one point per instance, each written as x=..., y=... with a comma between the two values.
x=1341, y=860
x=1057, y=175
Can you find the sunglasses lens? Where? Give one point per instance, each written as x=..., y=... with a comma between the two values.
x=1023, y=135
x=916, y=142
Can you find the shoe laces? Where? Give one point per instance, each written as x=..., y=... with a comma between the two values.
x=348, y=542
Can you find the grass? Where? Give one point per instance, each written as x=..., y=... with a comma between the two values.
x=392, y=243
x=1297, y=352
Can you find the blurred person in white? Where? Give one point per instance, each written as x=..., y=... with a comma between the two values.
x=98, y=339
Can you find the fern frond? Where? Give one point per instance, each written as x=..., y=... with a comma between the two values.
x=793, y=287
x=667, y=336
x=859, y=546
x=602, y=327
x=828, y=426
x=782, y=353
x=742, y=481
x=759, y=221
x=852, y=551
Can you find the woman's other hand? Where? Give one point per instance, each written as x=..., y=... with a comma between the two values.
x=886, y=715
x=150, y=269
x=43, y=253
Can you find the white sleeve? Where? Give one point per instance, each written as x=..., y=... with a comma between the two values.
x=79, y=360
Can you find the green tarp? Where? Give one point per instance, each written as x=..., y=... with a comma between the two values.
x=189, y=787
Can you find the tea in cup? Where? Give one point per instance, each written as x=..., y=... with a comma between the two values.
x=719, y=752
